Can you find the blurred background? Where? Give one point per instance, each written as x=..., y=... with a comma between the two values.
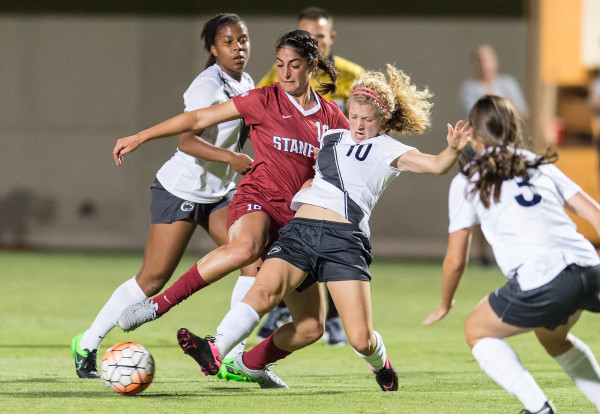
x=76, y=75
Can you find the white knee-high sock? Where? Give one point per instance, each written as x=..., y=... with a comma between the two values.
x=379, y=356
x=237, y=325
x=126, y=294
x=581, y=365
x=497, y=359
x=242, y=286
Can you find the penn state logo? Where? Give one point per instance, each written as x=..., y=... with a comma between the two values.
x=187, y=206
x=274, y=250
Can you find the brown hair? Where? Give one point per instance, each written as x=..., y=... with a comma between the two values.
x=498, y=126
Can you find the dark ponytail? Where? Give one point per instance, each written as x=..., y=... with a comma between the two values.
x=211, y=28
x=497, y=125
x=308, y=47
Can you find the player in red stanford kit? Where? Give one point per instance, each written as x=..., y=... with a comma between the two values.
x=286, y=120
x=283, y=136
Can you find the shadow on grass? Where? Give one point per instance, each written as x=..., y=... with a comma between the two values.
x=59, y=346
x=222, y=392
x=32, y=380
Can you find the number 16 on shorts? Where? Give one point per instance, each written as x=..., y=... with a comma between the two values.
x=252, y=207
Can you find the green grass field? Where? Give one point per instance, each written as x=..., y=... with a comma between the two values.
x=47, y=298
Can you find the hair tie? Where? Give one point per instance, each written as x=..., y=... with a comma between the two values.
x=372, y=94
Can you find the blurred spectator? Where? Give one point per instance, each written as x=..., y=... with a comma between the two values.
x=487, y=81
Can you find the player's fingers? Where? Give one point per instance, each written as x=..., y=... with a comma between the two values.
x=116, y=155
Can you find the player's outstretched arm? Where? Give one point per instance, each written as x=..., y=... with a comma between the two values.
x=585, y=207
x=454, y=265
x=186, y=122
x=418, y=162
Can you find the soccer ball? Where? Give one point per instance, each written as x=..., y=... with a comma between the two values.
x=127, y=368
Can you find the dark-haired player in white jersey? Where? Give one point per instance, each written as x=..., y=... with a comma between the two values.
x=519, y=199
x=328, y=239
x=192, y=189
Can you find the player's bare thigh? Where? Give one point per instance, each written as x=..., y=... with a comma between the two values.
x=484, y=323
x=247, y=237
x=217, y=229
x=274, y=280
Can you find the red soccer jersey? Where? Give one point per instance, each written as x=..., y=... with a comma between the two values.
x=284, y=137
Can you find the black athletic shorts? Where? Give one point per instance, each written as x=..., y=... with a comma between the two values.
x=167, y=208
x=550, y=305
x=327, y=250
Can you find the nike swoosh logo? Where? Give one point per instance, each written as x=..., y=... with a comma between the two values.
x=287, y=116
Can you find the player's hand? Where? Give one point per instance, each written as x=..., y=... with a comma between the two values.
x=438, y=314
x=240, y=162
x=123, y=146
x=315, y=155
x=459, y=136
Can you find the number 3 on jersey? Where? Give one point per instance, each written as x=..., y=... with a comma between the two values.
x=534, y=198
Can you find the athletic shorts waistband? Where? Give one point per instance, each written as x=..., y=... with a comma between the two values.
x=326, y=223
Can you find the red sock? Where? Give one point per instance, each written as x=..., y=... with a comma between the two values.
x=263, y=354
x=184, y=287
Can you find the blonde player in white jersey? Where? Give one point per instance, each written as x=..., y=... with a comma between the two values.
x=193, y=188
x=328, y=239
x=519, y=199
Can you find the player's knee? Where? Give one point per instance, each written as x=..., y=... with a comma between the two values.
x=152, y=282
x=263, y=298
x=311, y=330
x=361, y=342
x=243, y=253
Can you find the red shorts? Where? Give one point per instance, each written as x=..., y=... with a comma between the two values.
x=279, y=214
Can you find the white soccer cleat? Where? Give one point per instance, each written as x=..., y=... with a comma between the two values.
x=136, y=315
x=263, y=377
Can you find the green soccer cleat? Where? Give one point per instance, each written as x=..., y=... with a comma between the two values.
x=85, y=360
x=228, y=372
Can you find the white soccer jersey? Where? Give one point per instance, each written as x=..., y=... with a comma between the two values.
x=529, y=230
x=350, y=177
x=198, y=180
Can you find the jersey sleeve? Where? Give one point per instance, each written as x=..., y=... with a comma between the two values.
x=393, y=149
x=252, y=105
x=269, y=78
x=566, y=187
x=461, y=210
x=202, y=95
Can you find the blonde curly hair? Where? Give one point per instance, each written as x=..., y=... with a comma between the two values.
x=404, y=108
